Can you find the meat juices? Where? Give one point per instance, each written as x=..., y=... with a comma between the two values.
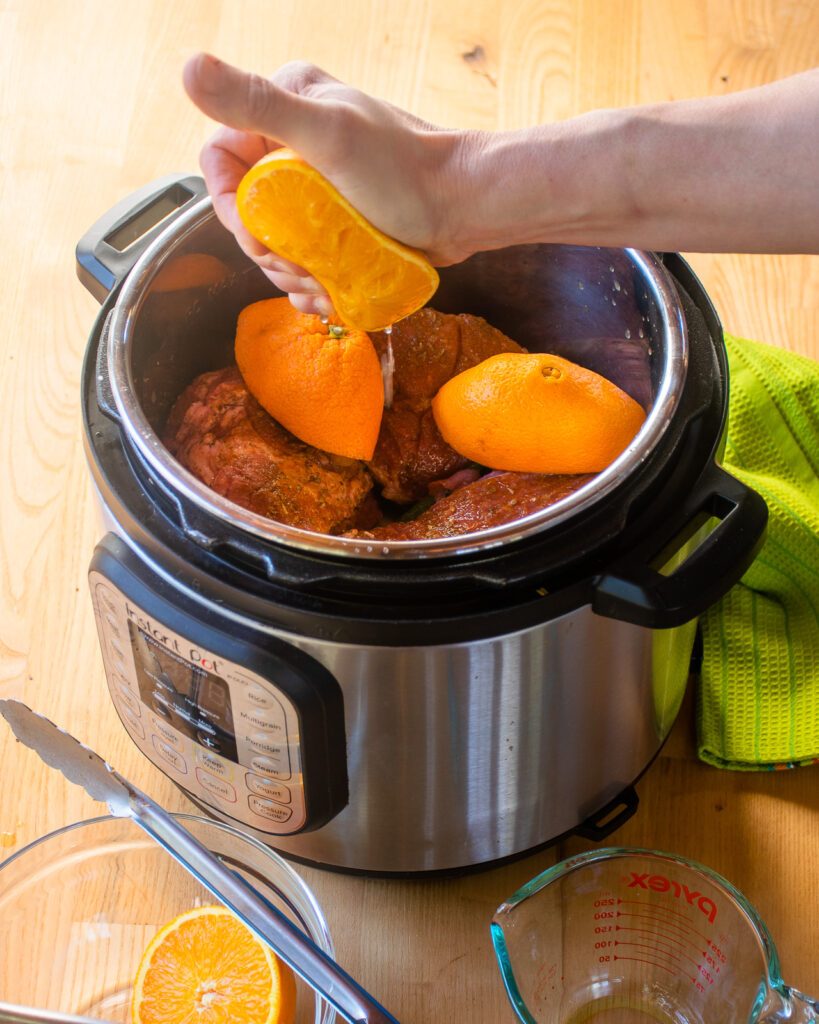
x=428, y=349
x=219, y=432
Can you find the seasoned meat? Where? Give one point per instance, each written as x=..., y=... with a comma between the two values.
x=428, y=349
x=225, y=438
x=491, y=501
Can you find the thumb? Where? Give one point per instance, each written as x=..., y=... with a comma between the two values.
x=246, y=101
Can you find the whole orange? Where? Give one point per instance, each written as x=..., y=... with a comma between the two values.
x=322, y=382
x=536, y=413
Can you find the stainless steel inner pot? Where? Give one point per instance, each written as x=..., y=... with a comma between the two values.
x=615, y=311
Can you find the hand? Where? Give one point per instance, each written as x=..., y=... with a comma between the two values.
x=401, y=173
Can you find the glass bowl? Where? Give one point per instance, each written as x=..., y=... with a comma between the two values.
x=79, y=906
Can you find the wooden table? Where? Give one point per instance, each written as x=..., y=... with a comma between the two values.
x=91, y=108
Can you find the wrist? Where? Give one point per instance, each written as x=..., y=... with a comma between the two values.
x=572, y=182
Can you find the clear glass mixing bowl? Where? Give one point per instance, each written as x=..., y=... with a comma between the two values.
x=79, y=906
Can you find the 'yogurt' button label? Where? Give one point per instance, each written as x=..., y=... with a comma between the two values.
x=267, y=809
x=269, y=788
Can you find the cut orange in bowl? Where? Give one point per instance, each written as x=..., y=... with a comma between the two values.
x=206, y=966
x=322, y=382
x=372, y=279
x=536, y=413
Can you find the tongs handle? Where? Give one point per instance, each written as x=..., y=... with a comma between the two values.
x=297, y=950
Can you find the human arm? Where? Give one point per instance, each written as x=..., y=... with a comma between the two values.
x=733, y=173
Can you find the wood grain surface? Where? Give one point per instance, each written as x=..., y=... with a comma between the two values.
x=91, y=108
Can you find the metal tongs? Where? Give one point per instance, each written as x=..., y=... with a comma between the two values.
x=82, y=766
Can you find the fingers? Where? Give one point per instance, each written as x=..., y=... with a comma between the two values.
x=250, y=103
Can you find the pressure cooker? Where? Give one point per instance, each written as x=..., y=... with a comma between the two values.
x=405, y=706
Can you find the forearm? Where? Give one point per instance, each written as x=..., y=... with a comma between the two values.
x=738, y=173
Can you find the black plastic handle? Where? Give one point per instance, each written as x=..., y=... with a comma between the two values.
x=109, y=249
x=635, y=592
x=608, y=819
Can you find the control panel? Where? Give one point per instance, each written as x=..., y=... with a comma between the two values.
x=228, y=735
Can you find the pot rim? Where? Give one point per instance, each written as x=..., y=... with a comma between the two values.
x=118, y=332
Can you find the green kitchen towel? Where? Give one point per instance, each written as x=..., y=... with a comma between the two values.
x=758, y=700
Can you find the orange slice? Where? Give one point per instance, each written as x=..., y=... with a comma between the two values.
x=206, y=966
x=371, y=279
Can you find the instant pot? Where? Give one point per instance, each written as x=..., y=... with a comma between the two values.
x=405, y=706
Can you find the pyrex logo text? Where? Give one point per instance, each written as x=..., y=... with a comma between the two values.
x=659, y=883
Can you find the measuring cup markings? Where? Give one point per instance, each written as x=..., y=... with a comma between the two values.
x=669, y=924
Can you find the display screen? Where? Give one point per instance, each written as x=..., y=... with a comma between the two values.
x=192, y=700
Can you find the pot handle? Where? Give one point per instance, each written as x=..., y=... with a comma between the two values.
x=636, y=589
x=109, y=249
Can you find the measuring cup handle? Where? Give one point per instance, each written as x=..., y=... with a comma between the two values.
x=791, y=1006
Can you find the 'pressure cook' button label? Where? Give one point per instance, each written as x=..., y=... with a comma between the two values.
x=267, y=809
x=168, y=754
x=268, y=787
x=275, y=769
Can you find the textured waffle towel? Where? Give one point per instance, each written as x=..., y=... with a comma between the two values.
x=758, y=702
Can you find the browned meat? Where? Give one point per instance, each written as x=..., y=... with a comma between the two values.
x=225, y=438
x=428, y=348
x=491, y=501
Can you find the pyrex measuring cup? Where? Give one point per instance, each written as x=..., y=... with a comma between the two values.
x=619, y=936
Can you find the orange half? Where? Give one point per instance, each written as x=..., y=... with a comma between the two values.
x=206, y=966
x=372, y=280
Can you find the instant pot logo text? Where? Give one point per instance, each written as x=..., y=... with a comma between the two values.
x=659, y=883
x=170, y=642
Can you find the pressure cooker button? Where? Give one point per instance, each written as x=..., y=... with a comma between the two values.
x=266, y=741
x=207, y=740
x=215, y=765
x=259, y=697
x=124, y=696
x=132, y=724
x=217, y=787
x=168, y=734
x=267, y=787
x=168, y=754
x=267, y=809
x=274, y=769
x=266, y=720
